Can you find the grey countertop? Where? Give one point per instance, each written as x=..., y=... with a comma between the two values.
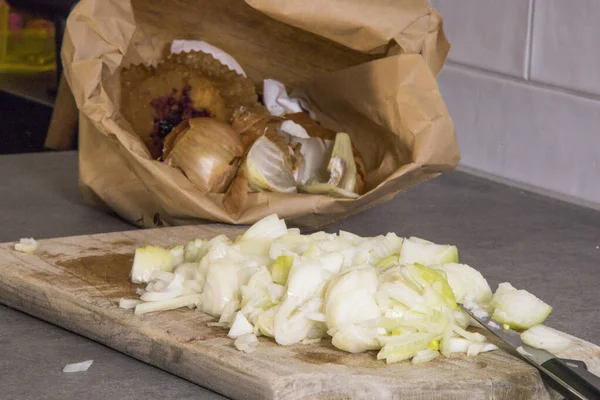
x=545, y=246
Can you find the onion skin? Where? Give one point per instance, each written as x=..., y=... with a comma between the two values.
x=207, y=151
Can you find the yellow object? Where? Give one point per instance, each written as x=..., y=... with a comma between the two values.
x=434, y=344
x=26, y=45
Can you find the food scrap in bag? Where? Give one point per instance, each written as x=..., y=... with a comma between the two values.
x=198, y=115
x=186, y=85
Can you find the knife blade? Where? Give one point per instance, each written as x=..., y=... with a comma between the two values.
x=568, y=377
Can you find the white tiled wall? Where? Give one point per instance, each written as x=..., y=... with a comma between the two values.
x=566, y=44
x=494, y=46
x=523, y=87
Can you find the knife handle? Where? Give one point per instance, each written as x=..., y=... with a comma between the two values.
x=573, y=380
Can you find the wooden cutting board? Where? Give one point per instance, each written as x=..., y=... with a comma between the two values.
x=76, y=283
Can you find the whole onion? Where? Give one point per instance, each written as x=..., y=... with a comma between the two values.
x=207, y=151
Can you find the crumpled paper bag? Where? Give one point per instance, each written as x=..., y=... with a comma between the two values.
x=364, y=67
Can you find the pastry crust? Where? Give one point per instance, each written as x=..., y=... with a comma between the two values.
x=185, y=85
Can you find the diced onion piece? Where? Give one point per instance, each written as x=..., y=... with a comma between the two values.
x=156, y=286
x=427, y=276
x=78, y=367
x=472, y=336
x=265, y=321
x=459, y=345
x=26, y=245
x=193, y=251
x=388, y=261
x=161, y=296
x=128, y=303
x=221, y=286
x=176, y=283
x=275, y=292
x=246, y=343
x=385, y=247
x=177, y=252
x=350, y=298
x=332, y=262
x=424, y=356
x=405, y=347
x=229, y=311
x=193, y=285
x=270, y=227
x=164, y=276
x=415, y=250
x=187, y=270
x=518, y=308
x=467, y=283
x=170, y=304
x=356, y=339
x=217, y=324
x=281, y=269
x=148, y=259
x=316, y=316
x=543, y=337
x=480, y=313
x=240, y=326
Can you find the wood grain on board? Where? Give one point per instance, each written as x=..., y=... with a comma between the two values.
x=76, y=283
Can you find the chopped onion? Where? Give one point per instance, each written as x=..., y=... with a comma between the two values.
x=27, y=245
x=543, y=337
x=162, y=276
x=170, y=304
x=386, y=293
x=424, y=356
x=187, y=270
x=246, y=343
x=161, y=296
x=78, y=367
x=316, y=316
x=219, y=324
x=229, y=312
x=178, y=255
x=518, y=308
x=275, y=292
x=480, y=313
x=240, y=326
x=193, y=285
x=472, y=336
x=310, y=341
x=128, y=303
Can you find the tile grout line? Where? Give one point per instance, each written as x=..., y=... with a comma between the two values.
x=511, y=78
x=529, y=43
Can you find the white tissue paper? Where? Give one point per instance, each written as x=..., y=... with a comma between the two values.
x=198, y=45
x=277, y=100
x=293, y=129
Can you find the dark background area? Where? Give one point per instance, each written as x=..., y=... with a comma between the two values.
x=24, y=124
x=26, y=99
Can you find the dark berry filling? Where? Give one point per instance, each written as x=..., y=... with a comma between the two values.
x=170, y=111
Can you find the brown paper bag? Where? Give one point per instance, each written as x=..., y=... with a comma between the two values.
x=365, y=67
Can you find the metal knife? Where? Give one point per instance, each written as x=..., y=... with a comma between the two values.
x=568, y=377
